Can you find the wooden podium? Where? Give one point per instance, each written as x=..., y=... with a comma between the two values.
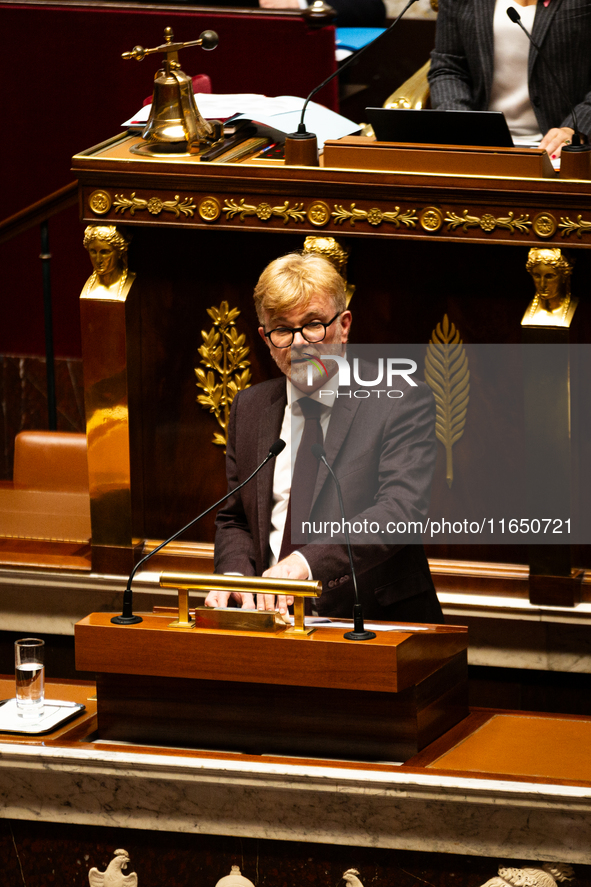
x=318, y=696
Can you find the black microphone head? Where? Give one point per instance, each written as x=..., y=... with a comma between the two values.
x=277, y=447
x=513, y=15
x=318, y=451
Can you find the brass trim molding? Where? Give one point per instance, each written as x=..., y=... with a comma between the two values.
x=264, y=211
x=431, y=219
x=209, y=209
x=154, y=205
x=488, y=222
x=579, y=227
x=100, y=202
x=318, y=213
x=375, y=216
x=544, y=225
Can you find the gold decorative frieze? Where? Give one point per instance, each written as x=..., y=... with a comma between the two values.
x=544, y=225
x=225, y=367
x=448, y=376
x=488, y=222
x=374, y=216
x=209, y=209
x=431, y=219
x=579, y=227
x=154, y=205
x=318, y=213
x=100, y=202
x=264, y=211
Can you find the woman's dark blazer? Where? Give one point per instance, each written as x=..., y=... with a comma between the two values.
x=461, y=71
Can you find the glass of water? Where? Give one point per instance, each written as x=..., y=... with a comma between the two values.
x=30, y=676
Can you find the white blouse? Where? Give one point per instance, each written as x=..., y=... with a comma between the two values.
x=510, y=92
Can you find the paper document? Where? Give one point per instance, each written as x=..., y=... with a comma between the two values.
x=281, y=113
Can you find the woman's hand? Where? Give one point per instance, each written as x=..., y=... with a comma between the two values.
x=556, y=139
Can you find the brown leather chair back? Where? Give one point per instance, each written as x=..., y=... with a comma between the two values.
x=51, y=460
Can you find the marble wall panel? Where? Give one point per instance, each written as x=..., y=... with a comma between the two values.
x=23, y=400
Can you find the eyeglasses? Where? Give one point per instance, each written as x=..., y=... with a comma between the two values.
x=315, y=331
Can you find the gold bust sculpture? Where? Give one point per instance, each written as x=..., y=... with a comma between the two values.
x=330, y=248
x=107, y=248
x=552, y=304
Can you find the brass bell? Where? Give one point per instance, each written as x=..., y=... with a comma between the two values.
x=175, y=125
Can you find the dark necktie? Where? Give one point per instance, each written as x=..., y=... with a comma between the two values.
x=304, y=478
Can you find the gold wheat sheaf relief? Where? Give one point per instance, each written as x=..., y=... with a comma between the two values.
x=224, y=356
x=448, y=376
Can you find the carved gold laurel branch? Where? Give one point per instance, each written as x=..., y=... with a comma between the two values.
x=374, y=216
x=448, y=376
x=223, y=354
x=154, y=205
x=569, y=227
x=488, y=222
x=264, y=211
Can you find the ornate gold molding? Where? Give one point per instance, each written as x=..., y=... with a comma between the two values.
x=264, y=211
x=374, y=216
x=488, y=222
x=448, y=376
x=569, y=227
x=100, y=202
x=154, y=205
x=224, y=354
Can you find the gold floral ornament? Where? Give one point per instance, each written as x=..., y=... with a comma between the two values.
x=568, y=227
x=264, y=211
x=448, y=376
x=224, y=356
x=154, y=205
x=375, y=216
x=488, y=222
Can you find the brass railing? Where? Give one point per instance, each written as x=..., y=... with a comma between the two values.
x=39, y=213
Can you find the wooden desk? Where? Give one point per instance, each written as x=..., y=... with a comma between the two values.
x=321, y=695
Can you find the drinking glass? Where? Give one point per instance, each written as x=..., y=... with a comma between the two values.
x=30, y=676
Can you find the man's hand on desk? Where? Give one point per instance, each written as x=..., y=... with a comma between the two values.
x=292, y=567
x=555, y=140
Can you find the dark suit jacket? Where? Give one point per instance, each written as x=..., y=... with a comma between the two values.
x=383, y=452
x=462, y=62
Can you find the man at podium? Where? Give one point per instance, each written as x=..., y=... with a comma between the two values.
x=382, y=450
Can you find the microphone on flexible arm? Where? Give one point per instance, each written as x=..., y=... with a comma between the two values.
x=359, y=633
x=301, y=147
x=579, y=144
x=127, y=617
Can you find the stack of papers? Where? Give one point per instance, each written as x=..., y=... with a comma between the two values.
x=280, y=114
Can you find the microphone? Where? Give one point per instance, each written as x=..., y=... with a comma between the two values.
x=301, y=147
x=579, y=140
x=359, y=633
x=127, y=616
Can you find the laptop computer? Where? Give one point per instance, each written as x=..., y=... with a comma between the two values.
x=479, y=128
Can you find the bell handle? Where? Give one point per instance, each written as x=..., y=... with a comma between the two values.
x=207, y=39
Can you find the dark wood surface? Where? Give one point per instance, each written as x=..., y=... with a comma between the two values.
x=390, y=663
x=321, y=695
x=289, y=720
